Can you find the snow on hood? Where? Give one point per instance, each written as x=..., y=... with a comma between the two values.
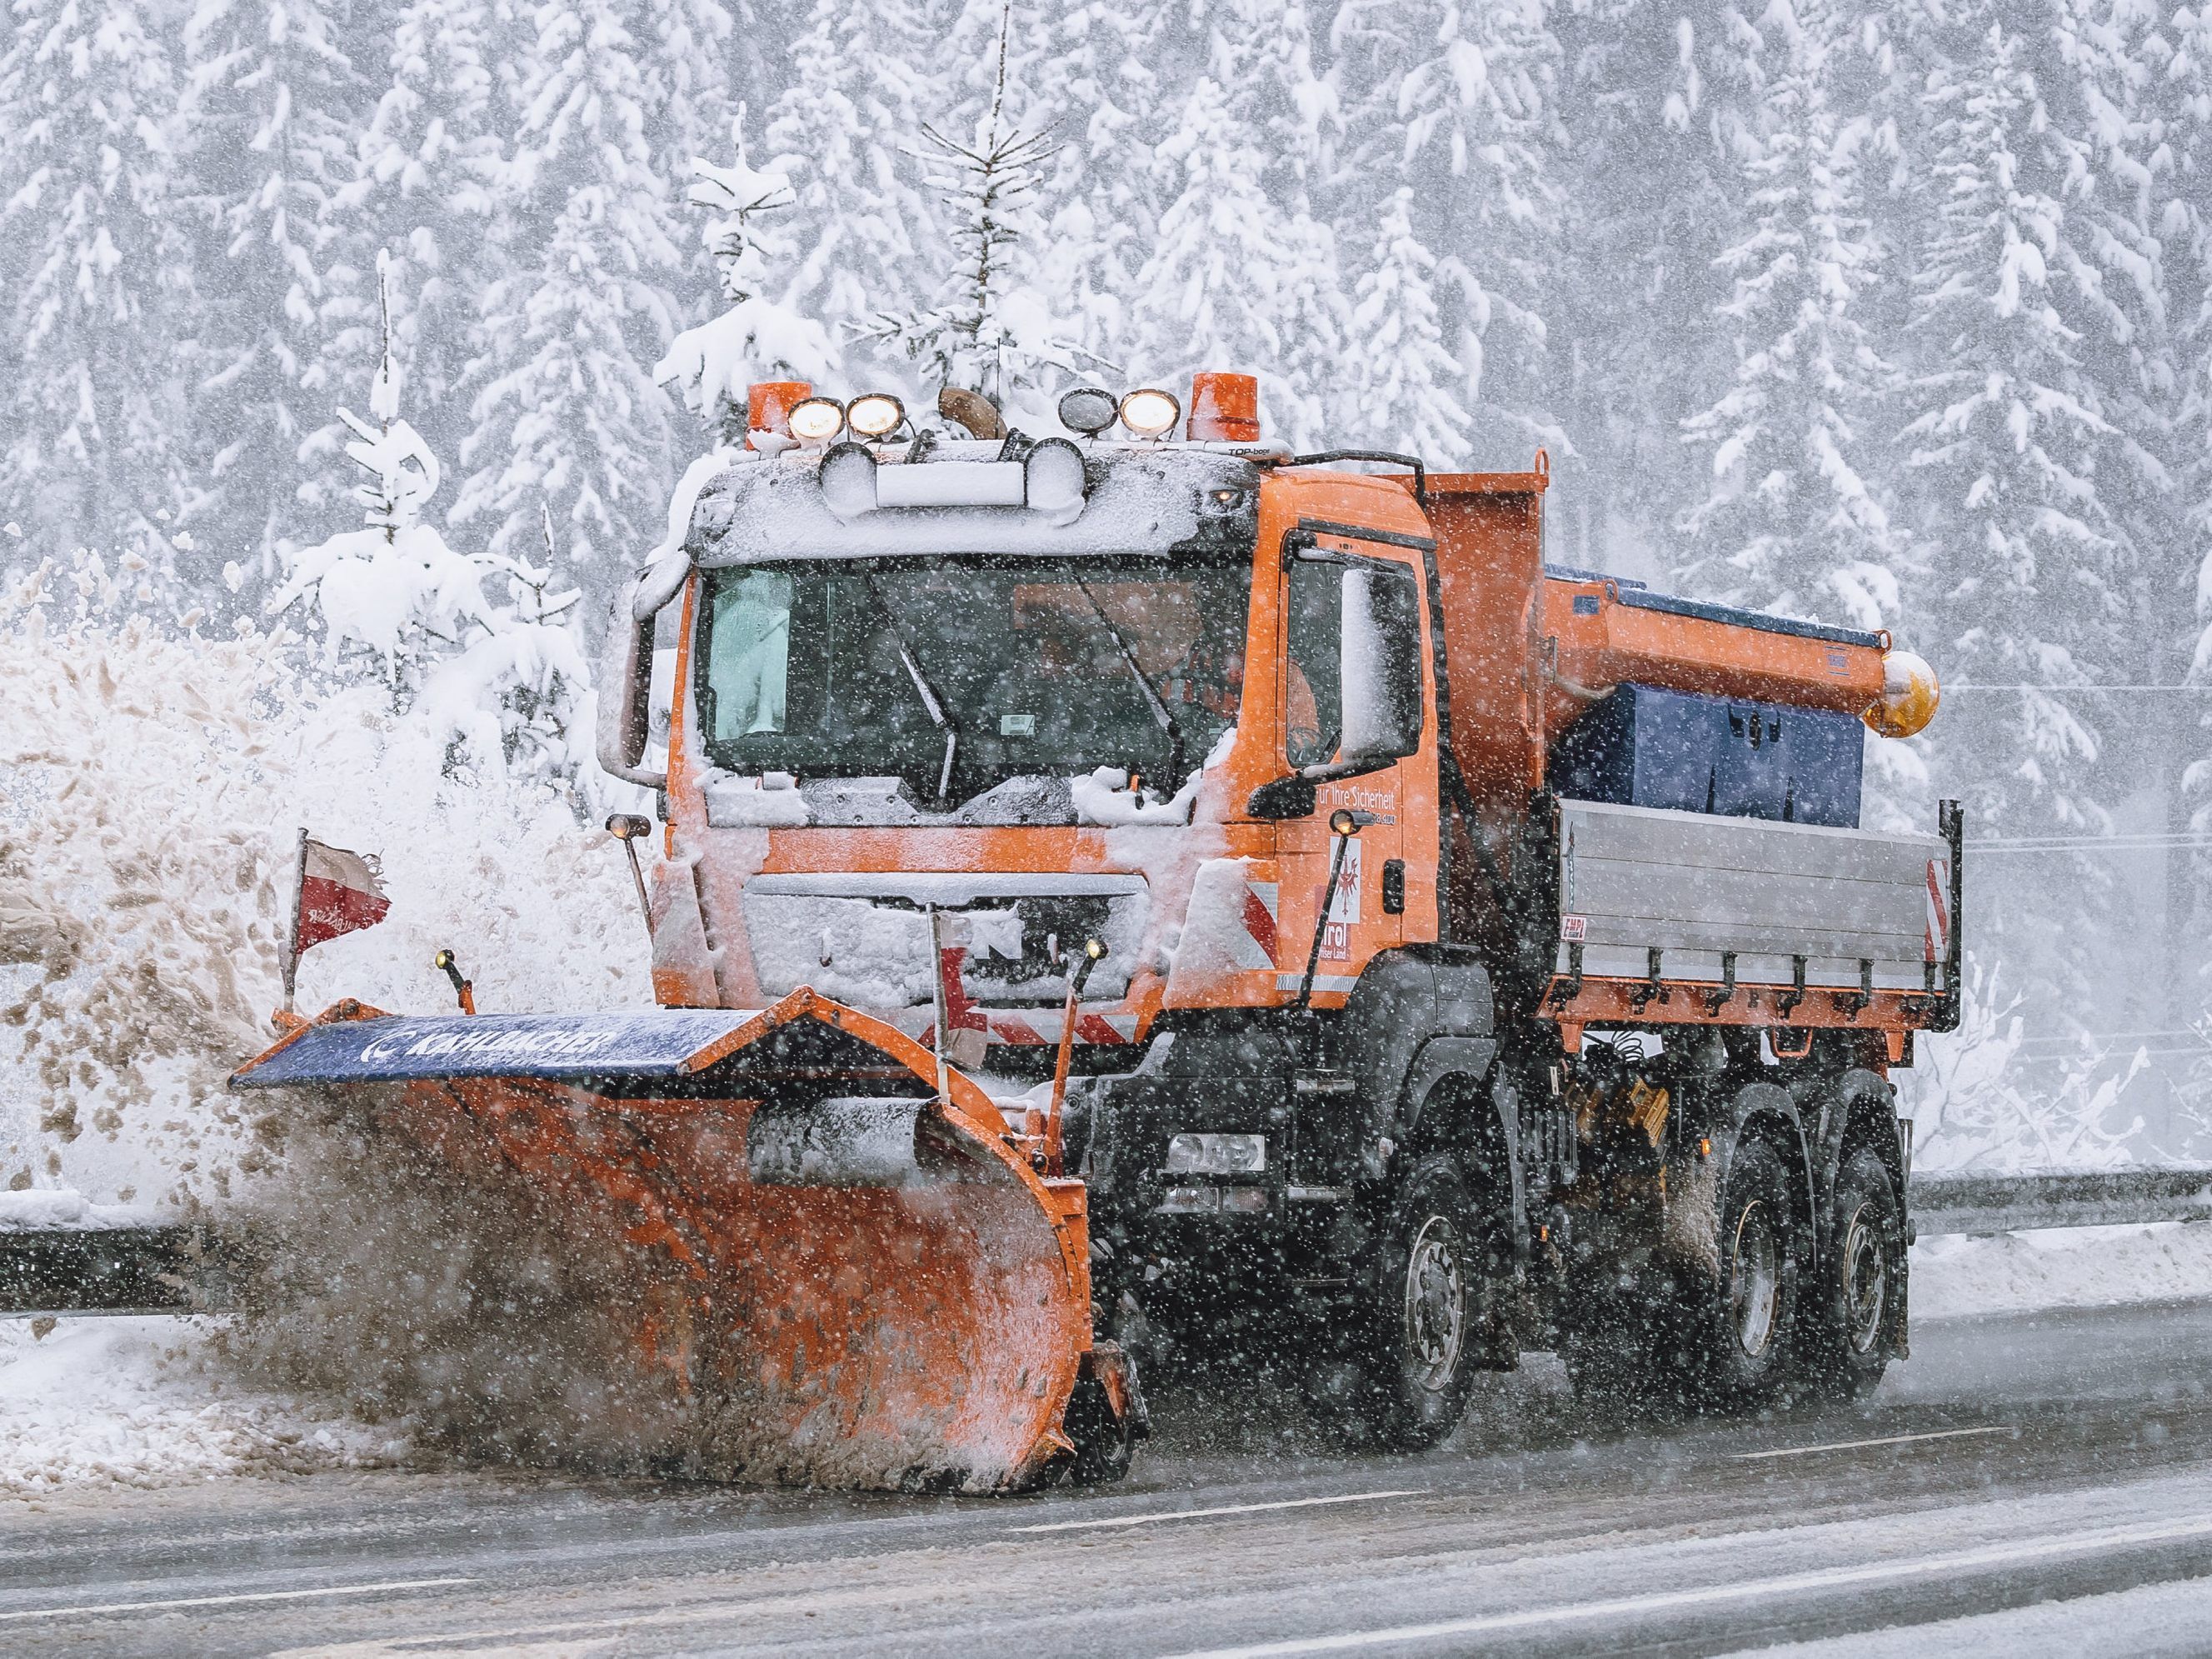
x=1105, y=798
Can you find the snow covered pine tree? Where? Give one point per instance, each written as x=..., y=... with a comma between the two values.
x=505, y=686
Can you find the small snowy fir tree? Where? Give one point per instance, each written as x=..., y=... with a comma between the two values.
x=393, y=591
x=517, y=700
x=507, y=689
x=756, y=337
x=991, y=331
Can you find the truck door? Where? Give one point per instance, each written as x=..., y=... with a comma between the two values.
x=1353, y=702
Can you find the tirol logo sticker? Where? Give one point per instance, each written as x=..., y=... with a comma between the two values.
x=1343, y=907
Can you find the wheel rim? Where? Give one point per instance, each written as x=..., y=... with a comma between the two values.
x=1436, y=1305
x=1866, y=1284
x=1755, y=1280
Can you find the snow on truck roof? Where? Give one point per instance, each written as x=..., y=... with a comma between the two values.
x=1142, y=498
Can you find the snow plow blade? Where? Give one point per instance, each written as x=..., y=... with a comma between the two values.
x=876, y=1287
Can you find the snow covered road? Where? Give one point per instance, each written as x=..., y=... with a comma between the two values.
x=2075, y=1514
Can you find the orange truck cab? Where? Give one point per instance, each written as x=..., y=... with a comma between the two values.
x=1401, y=1055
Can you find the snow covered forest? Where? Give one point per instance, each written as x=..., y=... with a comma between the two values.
x=1896, y=316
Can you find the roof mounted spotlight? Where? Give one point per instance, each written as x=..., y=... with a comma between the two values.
x=817, y=420
x=1150, y=413
x=875, y=415
x=1089, y=409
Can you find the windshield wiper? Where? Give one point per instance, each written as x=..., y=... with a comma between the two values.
x=1161, y=715
x=930, y=700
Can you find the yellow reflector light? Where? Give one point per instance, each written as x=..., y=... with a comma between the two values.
x=876, y=414
x=1150, y=413
x=817, y=420
x=1909, y=695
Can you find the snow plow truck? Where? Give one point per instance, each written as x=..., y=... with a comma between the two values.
x=1146, y=889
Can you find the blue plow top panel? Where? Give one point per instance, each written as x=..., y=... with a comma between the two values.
x=618, y=1042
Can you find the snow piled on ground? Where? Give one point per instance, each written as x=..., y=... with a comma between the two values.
x=1957, y=1278
x=137, y=1401
x=64, y=1209
x=153, y=784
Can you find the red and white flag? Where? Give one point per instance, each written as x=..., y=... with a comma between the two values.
x=339, y=892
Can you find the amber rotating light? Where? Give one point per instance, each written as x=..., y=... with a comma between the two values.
x=769, y=405
x=1224, y=408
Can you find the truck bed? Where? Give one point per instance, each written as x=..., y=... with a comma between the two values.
x=1857, y=907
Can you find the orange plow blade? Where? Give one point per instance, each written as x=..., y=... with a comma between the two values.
x=857, y=1282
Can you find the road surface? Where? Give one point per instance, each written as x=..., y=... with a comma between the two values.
x=2031, y=1484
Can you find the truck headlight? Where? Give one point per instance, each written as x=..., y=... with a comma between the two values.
x=1217, y=1154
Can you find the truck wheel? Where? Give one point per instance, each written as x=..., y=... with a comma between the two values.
x=1741, y=1318
x=1106, y=1418
x=1858, y=1308
x=1427, y=1318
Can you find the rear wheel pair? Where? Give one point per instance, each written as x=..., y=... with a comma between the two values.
x=1759, y=1322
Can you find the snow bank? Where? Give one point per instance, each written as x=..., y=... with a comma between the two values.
x=64, y=1207
x=137, y=1402
x=2073, y=1268
x=152, y=782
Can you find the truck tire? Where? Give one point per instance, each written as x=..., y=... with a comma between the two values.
x=1740, y=1319
x=1856, y=1306
x=1106, y=1440
x=1419, y=1339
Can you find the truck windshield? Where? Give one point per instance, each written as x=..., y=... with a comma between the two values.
x=877, y=668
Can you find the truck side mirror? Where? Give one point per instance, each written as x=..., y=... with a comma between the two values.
x=1282, y=797
x=626, y=704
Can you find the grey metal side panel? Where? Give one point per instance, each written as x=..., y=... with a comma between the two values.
x=1634, y=879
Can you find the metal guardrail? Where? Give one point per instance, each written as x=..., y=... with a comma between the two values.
x=190, y=1269
x=1981, y=1205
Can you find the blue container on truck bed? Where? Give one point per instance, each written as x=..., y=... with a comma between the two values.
x=1643, y=746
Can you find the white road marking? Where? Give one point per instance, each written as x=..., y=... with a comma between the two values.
x=1628, y=1607
x=230, y=1601
x=1226, y=1509
x=1887, y=1440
